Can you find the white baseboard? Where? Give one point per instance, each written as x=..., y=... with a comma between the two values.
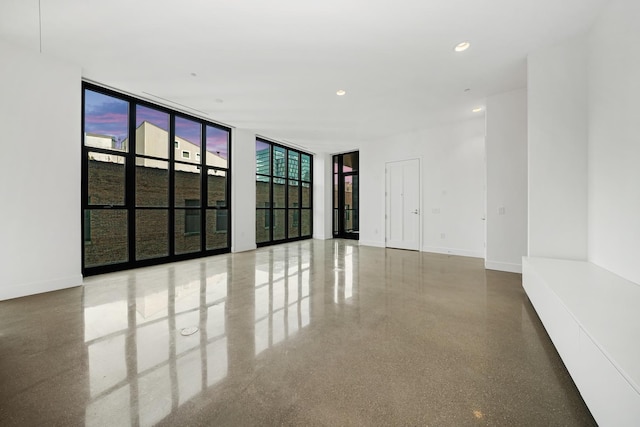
x=453, y=251
x=503, y=266
x=25, y=289
x=373, y=243
x=236, y=249
x=322, y=237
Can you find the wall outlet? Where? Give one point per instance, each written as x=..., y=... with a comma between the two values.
x=443, y=236
x=501, y=210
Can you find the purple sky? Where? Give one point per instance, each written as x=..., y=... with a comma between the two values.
x=189, y=130
x=261, y=145
x=217, y=141
x=155, y=117
x=105, y=115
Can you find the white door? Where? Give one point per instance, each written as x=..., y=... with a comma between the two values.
x=403, y=204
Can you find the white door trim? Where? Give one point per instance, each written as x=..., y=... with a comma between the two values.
x=418, y=160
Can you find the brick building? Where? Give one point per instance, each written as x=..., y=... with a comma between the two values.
x=105, y=228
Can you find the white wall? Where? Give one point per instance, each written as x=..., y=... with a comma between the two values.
x=452, y=168
x=557, y=114
x=614, y=140
x=40, y=240
x=243, y=190
x=506, y=142
x=322, y=196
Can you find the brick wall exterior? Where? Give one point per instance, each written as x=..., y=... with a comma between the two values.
x=108, y=227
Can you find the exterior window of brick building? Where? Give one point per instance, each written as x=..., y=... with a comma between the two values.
x=283, y=193
x=155, y=183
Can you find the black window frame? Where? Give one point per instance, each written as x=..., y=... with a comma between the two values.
x=281, y=171
x=172, y=209
x=343, y=212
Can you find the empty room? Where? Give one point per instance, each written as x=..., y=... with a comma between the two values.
x=331, y=213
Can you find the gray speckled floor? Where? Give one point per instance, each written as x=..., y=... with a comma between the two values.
x=308, y=333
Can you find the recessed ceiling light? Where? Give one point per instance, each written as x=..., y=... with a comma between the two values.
x=461, y=47
x=477, y=109
x=341, y=92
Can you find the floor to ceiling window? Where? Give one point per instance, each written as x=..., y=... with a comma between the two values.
x=155, y=183
x=283, y=193
x=346, y=199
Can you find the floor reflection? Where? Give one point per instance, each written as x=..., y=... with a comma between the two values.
x=140, y=366
x=282, y=289
x=306, y=333
x=343, y=271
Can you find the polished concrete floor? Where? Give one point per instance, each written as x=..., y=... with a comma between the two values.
x=308, y=333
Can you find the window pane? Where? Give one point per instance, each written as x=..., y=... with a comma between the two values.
x=152, y=132
x=335, y=191
x=217, y=147
x=158, y=204
x=152, y=182
x=306, y=167
x=152, y=234
x=306, y=195
x=294, y=223
x=263, y=224
x=350, y=162
x=279, y=161
x=294, y=165
x=187, y=230
x=216, y=187
x=306, y=222
x=356, y=205
x=263, y=157
x=280, y=191
x=294, y=197
x=278, y=224
x=263, y=191
x=187, y=141
x=279, y=186
x=187, y=184
x=106, y=180
x=107, y=243
x=217, y=227
x=106, y=121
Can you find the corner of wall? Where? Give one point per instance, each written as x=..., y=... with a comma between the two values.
x=42, y=96
x=506, y=153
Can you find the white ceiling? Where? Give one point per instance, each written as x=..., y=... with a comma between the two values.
x=274, y=66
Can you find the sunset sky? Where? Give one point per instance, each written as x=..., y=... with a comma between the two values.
x=106, y=115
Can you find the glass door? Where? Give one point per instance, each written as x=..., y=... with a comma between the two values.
x=345, y=196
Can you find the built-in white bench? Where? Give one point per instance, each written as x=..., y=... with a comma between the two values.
x=593, y=319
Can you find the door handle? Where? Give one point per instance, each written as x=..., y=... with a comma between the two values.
x=415, y=212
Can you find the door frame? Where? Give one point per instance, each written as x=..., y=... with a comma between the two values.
x=341, y=234
x=420, y=200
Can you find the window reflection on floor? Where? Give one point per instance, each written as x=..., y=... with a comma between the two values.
x=143, y=320
x=343, y=272
x=142, y=369
x=281, y=296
